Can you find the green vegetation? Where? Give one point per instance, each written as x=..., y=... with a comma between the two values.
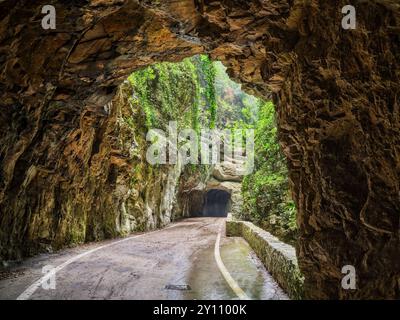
x=266, y=196
x=208, y=74
x=236, y=109
x=182, y=92
x=198, y=93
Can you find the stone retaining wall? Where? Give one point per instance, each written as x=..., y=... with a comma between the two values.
x=279, y=258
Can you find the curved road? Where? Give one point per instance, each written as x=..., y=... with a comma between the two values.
x=179, y=262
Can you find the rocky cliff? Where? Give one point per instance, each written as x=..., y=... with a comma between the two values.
x=100, y=184
x=337, y=93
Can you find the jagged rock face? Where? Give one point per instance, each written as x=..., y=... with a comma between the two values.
x=142, y=197
x=103, y=188
x=339, y=124
x=337, y=94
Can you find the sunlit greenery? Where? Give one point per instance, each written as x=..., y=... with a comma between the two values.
x=177, y=92
x=266, y=195
x=236, y=109
x=198, y=93
x=208, y=75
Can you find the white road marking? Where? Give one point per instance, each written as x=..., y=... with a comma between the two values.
x=227, y=276
x=231, y=282
x=36, y=285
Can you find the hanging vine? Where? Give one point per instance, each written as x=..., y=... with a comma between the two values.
x=209, y=73
x=177, y=92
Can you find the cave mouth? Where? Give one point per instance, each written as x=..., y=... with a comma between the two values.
x=217, y=203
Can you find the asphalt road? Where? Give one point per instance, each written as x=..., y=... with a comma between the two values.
x=183, y=261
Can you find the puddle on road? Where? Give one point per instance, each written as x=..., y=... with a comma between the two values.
x=207, y=282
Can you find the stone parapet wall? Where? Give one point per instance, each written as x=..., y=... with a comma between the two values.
x=279, y=258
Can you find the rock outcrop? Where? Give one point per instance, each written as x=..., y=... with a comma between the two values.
x=337, y=93
x=227, y=176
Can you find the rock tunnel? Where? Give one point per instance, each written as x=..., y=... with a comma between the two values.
x=217, y=203
x=339, y=126
x=213, y=203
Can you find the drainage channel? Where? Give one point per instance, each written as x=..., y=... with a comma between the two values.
x=207, y=282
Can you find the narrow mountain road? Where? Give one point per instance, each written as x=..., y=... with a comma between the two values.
x=182, y=261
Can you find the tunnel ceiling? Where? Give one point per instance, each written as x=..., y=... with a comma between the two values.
x=337, y=94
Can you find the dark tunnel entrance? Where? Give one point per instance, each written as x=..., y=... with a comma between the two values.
x=216, y=203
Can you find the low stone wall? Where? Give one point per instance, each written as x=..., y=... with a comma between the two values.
x=279, y=258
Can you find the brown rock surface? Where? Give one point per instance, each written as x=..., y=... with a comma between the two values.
x=337, y=94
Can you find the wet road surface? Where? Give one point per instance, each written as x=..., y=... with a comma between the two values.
x=170, y=264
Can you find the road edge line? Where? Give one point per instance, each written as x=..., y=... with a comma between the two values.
x=224, y=271
x=25, y=295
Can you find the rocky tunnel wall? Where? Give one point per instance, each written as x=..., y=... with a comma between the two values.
x=337, y=95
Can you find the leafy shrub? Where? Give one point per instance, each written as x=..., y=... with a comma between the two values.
x=266, y=195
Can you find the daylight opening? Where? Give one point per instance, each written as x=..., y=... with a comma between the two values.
x=196, y=94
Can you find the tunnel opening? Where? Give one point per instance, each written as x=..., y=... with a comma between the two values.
x=198, y=93
x=215, y=203
x=269, y=60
